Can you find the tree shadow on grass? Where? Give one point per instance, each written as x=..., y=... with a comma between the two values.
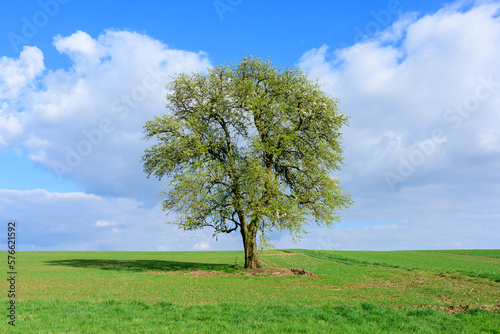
x=143, y=265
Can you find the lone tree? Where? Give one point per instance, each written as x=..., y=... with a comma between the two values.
x=248, y=147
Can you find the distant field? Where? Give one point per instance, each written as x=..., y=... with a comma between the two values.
x=480, y=263
x=208, y=292
x=479, y=252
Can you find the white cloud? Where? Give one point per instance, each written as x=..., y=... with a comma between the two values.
x=441, y=75
x=73, y=221
x=16, y=74
x=414, y=235
x=104, y=222
x=422, y=109
x=489, y=141
x=85, y=52
x=85, y=123
x=426, y=217
x=16, y=77
x=438, y=73
x=201, y=246
x=10, y=127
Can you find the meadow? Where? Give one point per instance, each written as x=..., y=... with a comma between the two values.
x=209, y=292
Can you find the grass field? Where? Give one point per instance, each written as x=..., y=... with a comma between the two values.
x=208, y=292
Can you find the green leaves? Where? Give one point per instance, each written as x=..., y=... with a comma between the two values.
x=249, y=142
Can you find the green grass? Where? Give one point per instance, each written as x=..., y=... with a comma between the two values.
x=138, y=317
x=143, y=292
x=475, y=263
x=478, y=252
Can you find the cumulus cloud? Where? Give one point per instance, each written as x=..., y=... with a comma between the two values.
x=10, y=127
x=404, y=235
x=85, y=123
x=202, y=246
x=418, y=104
x=426, y=217
x=16, y=77
x=422, y=155
x=73, y=221
x=16, y=74
x=422, y=151
x=104, y=222
x=85, y=51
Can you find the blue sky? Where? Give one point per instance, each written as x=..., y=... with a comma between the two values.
x=419, y=79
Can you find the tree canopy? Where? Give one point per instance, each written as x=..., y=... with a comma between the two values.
x=248, y=147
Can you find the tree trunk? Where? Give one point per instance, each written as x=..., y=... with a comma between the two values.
x=250, y=245
x=251, y=256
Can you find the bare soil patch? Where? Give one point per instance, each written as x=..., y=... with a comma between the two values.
x=249, y=272
x=454, y=309
x=303, y=272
